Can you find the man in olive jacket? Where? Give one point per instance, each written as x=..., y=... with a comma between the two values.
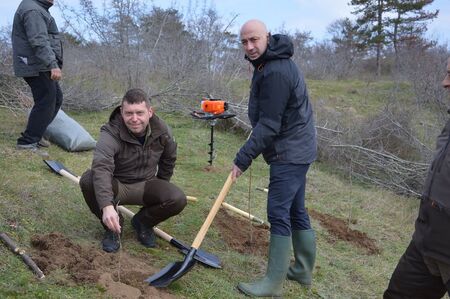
x=423, y=271
x=133, y=162
x=284, y=133
x=38, y=58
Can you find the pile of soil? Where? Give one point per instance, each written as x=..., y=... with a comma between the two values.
x=121, y=275
x=339, y=228
x=244, y=237
x=241, y=235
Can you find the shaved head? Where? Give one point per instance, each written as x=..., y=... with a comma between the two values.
x=254, y=25
x=254, y=38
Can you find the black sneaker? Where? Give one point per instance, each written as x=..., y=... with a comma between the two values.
x=110, y=242
x=145, y=235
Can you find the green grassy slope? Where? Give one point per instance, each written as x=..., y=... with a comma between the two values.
x=33, y=200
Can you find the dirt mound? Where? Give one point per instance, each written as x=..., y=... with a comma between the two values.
x=241, y=235
x=121, y=275
x=339, y=228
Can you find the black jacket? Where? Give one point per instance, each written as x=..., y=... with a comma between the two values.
x=432, y=234
x=279, y=110
x=36, y=41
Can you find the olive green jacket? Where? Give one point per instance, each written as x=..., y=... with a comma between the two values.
x=120, y=155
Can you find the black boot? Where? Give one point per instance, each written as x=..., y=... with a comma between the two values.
x=145, y=234
x=111, y=240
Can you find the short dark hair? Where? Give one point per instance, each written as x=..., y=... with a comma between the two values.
x=136, y=96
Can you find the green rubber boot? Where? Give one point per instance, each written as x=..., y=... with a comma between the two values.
x=304, y=243
x=271, y=285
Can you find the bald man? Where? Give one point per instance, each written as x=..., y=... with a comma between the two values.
x=284, y=133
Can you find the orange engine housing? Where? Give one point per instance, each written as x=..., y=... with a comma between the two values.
x=214, y=106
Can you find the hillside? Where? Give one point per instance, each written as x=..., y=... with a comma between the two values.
x=362, y=231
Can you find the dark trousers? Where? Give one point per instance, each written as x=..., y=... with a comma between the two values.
x=412, y=279
x=160, y=199
x=48, y=98
x=286, y=200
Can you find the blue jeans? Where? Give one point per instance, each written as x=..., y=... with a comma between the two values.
x=286, y=200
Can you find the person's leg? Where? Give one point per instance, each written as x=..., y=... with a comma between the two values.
x=412, y=278
x=160, y=199
x=87, y=189
x=45, y=93
x=299, y=214
x=282, y=190
x=59, y=100
x=284, y=186
x=303, y=236
x=110, y=242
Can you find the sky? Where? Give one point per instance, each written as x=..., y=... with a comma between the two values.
x=302, y=15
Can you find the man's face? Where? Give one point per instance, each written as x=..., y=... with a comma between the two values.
x=446, y=82
x=254, y=40
x=136, y=117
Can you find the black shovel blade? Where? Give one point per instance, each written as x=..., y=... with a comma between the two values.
x=172, y=271
x=203, y=257
x=56, y=166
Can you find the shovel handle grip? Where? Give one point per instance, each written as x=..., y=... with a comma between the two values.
x=212, y=213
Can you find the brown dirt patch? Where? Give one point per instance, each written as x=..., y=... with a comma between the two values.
x=241, y=235
x=339, y=228
x=121, y=275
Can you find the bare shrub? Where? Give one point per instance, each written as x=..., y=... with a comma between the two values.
x=423, y=68
x=382, y=149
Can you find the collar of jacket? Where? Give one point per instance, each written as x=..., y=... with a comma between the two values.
x=280, y=47
x=258, y=62
x=44, y=3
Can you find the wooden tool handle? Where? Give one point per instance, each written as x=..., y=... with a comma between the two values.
x=70, y=176
x=243, y=213
x=212, y=213
x=30, y=263
x=158, y=232
x=262, y=189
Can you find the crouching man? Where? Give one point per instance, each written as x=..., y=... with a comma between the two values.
x=133, y=162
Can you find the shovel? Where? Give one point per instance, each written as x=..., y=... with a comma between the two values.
x=175, y=270
x=203, y=257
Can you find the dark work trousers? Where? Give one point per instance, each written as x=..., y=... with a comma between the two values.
x=48, y=98
x=286, y=199
x=160, y=199
x=412, y=279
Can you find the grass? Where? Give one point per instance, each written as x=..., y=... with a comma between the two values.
x=33, y=200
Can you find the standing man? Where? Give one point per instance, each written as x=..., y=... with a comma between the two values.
x=133, y=162
x=423, y=272
x=38, y=58
x=283, y=131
